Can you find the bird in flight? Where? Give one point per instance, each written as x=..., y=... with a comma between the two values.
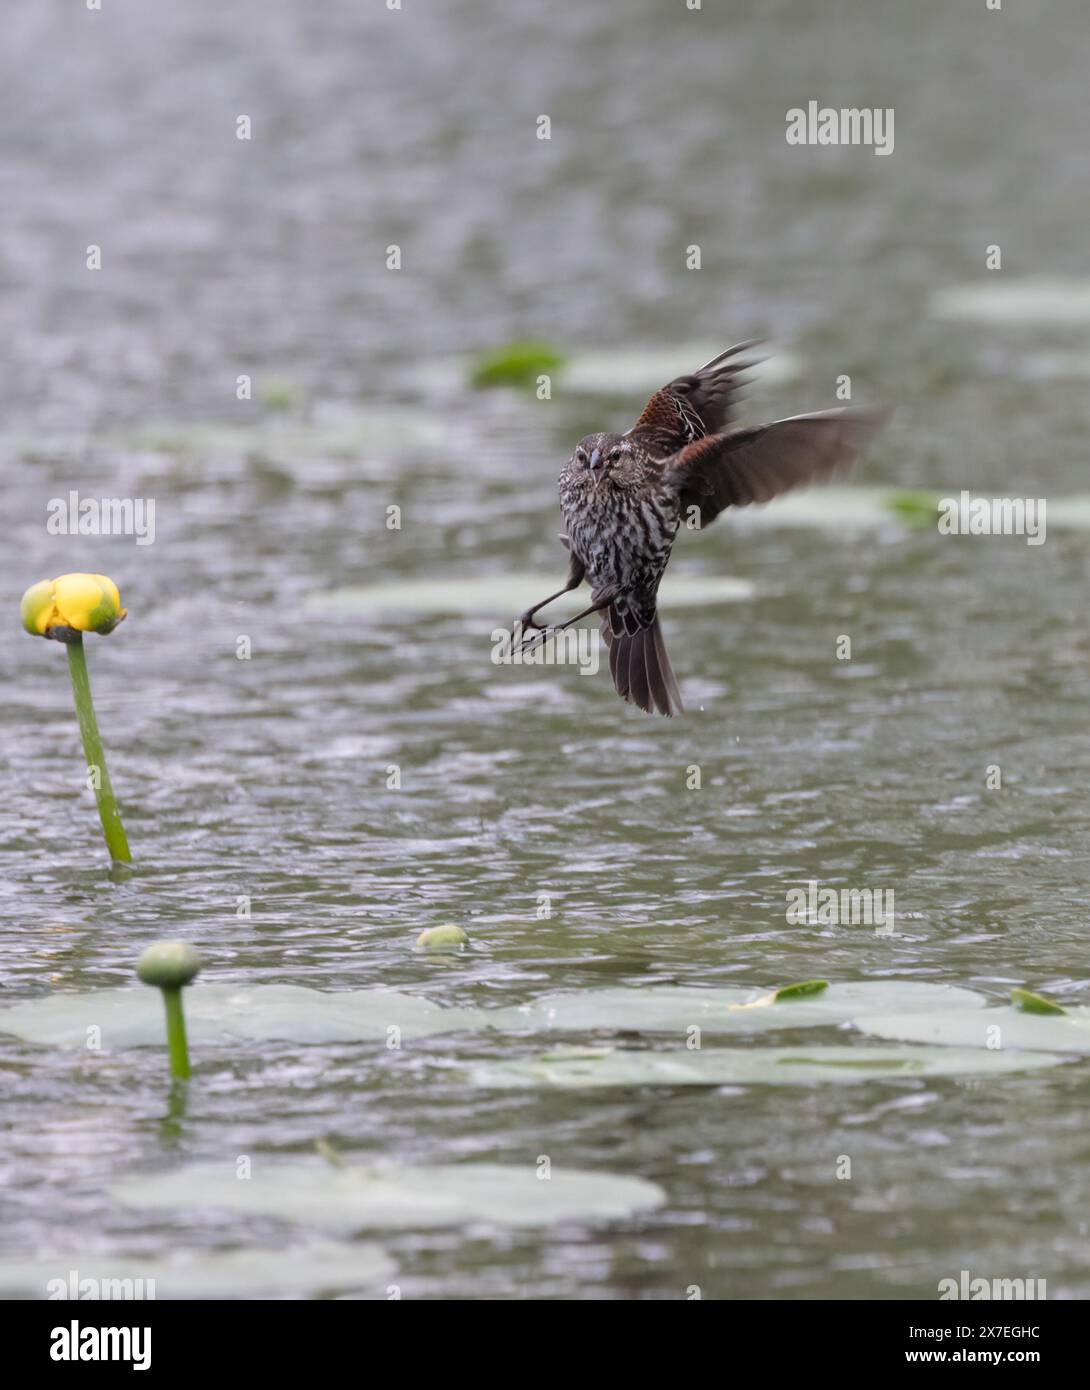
x=625, y=496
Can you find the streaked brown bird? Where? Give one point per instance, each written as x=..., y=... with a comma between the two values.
x=624, y=496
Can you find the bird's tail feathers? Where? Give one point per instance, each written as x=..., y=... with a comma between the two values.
x=640, y=666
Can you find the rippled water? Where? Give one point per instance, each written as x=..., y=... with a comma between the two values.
x=267, y=778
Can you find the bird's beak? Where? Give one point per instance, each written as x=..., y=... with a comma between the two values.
x=596, y=459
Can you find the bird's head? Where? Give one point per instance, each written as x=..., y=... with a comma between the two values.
x=603, y=458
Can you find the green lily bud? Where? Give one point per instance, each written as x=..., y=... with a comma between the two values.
x=448, y=937
x=169, y=965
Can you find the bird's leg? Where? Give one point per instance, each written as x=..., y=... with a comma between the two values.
x=576, y=571
x=596, y=607
x=586, y=613
x=527, y=619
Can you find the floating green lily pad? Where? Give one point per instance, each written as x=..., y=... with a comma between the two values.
x=623, y=375
x=278, y=393
x=664, y=1009
x=448, y=937
x=751, y=1066
x=218, y=1014
x=305, y=1271
x=1002, y=1028
x=503, y=596
x=515, y=364
x=916, y=507
x=804, y=989
x=382, y=1198
x=1031, y=1003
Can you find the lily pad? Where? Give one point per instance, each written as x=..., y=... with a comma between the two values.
x=1030, y=299
x=278, y=393
x=448, y=937
x=505, y=595
x=382, y=1198
x=1031, y=1003
x=1001, y=1029
x=286, y=439
x=303, y=1271
x=639, y=371
x=663, y=1009
x=1070, y=513
x=217, y=1014
x=867, y=509
x=916, y=507
x=606, y=372
x=826, y=508
x=805, y=989
x=1055, y=366
x=220, y=1014
x=516, y=364
x=751, y=1066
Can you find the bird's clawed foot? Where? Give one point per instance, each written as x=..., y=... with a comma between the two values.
x=527, y=621
x=528, y=632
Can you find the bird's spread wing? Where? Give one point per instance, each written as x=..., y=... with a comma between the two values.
x=760, y=462
x=697, y=405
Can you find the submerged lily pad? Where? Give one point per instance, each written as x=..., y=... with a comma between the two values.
x=663, y=1009
x=305, y=1271
x=1070, y=513
x=342, y=434
x=220, y=1013
x=505, y=595
x=378, y=1198
x=1030, y=299
x=746, y=1066
x=991, y=1028
x=609, y=372
x=829, y=507
x=865, y=509
x=657, y=1009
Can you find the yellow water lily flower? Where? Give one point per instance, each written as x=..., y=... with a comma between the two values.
x=77, y=602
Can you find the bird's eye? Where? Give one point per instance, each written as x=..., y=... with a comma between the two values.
x=580, y=456
x=614, y=455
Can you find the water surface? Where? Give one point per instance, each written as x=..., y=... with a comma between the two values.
x=267, y=778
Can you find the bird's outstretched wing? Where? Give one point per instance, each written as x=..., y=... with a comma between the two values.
x=760, y=462
x=697, y=405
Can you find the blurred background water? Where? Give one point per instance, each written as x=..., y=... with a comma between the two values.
x=268, y=778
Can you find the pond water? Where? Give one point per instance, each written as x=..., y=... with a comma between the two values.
x=559, y=826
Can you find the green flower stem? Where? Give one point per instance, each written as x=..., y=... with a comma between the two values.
x=176, y=1041
x=108, y=813
x=170, y=966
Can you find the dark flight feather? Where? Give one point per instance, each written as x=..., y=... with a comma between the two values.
x=764, y=461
